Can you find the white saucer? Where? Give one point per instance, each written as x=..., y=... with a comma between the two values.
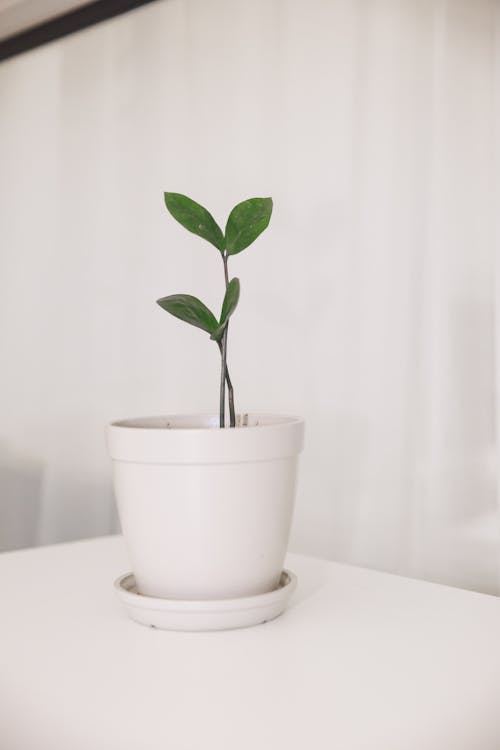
x=221, y=614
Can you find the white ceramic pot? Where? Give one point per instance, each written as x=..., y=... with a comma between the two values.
x=206, y=513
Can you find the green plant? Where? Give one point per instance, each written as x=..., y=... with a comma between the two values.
x=245, y=222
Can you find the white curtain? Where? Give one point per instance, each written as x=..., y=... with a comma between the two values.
x=369, y=306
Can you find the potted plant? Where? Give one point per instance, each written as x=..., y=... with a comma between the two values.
x=206, y=502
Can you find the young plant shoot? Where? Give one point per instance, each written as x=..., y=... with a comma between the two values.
x=246, y=221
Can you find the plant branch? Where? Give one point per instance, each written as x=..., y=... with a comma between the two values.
x=223, y=375
x=230, y=391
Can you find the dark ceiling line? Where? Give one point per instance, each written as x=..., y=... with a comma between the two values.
x=81, y=18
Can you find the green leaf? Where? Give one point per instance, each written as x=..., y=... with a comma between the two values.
x=230, y=300
x=195, y=218
x=246, y=221
x=191, y=310
x=228, y=307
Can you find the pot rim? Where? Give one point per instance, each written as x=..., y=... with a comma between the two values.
x=144, y=441
x=152, y=423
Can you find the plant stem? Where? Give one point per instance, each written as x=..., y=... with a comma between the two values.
x=222, y=402
x=230, y=396
x=230, y=391
x=232, y=416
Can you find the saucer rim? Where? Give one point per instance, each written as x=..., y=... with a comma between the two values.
x=256, y=601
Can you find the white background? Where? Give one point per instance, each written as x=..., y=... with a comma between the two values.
x=368, y=306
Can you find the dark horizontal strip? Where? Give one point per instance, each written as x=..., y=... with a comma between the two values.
x=75, y=20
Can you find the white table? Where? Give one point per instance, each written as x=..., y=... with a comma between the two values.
x=360, y=660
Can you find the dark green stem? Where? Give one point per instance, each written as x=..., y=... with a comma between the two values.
x=232, y=415
x=222, y=402
x=230, y=391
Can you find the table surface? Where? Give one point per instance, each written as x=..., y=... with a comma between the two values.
x=359, y=660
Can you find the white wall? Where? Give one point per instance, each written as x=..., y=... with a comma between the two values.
x=363, y=306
